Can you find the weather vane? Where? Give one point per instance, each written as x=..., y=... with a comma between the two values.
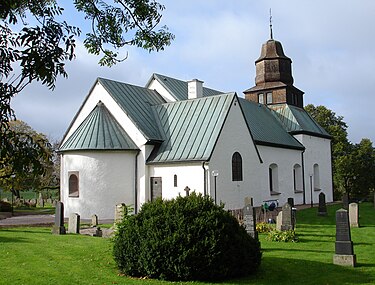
x=271, y=24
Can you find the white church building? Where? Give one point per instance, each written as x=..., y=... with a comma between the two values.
x=130, y=144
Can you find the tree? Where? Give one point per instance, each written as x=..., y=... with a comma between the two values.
x=29, y=162
x=38, y=51
x=353, y=165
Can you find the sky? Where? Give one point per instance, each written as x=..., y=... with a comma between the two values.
x=331, y=44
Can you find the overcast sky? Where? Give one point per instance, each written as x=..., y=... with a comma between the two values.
x=331, y=44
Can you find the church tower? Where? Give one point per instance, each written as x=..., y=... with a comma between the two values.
x=274, y=80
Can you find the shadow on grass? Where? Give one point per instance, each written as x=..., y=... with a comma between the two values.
x=12, y=240
x=26, y=230
x=290, y=271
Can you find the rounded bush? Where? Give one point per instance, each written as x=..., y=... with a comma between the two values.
x=187, y=238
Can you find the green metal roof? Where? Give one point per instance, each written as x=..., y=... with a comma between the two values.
x=265, y=127
x=99, y=131
x=297, y=120
x=136, y=102
x=179, y=88
x=191, y=128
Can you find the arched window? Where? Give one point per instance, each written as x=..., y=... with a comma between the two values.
x=273, y=177
x=236, y=167
x=175, y=180
x=73, y=184
x=316, y=177
x=297, y=178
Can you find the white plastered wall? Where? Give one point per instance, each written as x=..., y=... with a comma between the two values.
x=189, y=174
x=235, y=137
x=318, y=151
x=285, y=159
x=105, y=179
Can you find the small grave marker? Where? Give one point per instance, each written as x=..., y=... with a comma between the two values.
x=74, y=223
x=287, y=220
x=279, y=220
x=249, y=218
x=94, y=220
x=353, y=215
x=120, y=211
x=322, y=209
x=187, y=190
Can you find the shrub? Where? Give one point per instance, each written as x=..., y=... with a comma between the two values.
x=264, y=227
x=187, y=238
x=282, y=236
x=5, y=207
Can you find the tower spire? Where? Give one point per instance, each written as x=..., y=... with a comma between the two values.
x=271, y=34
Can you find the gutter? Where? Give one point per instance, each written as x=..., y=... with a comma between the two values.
x=204, y=179
x=136, y=183
x=303, y=177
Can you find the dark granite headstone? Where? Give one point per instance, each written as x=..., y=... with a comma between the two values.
x=58, y=228
x=287, y=218
x=291, y=202
x=98, y=232
x=345, y=201
x=344, y=253
x=249, y=219
x=322, y=210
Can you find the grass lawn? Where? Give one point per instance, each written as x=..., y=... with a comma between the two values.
x=35, y=256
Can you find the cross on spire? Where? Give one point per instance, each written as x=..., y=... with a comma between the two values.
x=271, y=34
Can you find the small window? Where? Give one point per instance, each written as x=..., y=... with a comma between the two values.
x=73, y=184
x=273, y=177
x=269, y=98
x=175, y=180
x=297, y=178
x=261, y=98
x=316, y=178
x=236, y=167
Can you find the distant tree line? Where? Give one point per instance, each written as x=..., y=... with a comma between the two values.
x=353, y=165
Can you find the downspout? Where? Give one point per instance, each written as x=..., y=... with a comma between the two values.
x=204, y=179
x=136, y=183
x=303, y=177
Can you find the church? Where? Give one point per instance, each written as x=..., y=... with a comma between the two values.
x=131, y=144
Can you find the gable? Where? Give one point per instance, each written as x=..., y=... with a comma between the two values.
x=178, y=89
x=190, y=128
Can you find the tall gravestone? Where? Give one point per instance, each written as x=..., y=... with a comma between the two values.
x=345, y=201
x=287, y=218
x=291, y=202
x=249, y=219
x=58, y=228
x=344, y=253
x=279, y=218
x=120, y=212
x=353, y=215
x=40, y=200
x=74, y=223
x=249, y=201
x=94, y=220
x=322, y=209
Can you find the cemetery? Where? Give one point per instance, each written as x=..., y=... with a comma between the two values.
x=325, y=243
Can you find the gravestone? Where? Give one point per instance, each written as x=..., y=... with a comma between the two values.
x=58, y=228
x=344, y=253
x=279, y=218
x=40, y=200
x=287, y=218
x=74, y=223
x=291, y=202
x=120, y=212
x=249, y=219
x=249, y=201
x=345, y=201
x=94, y=220
x=54, y=203
x=353, y=215
x=98, y=232
x=322, y=209
x=49, y=201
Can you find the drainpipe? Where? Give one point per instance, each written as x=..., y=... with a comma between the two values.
x=204, y=179
x=303, y=177
x=136, y=183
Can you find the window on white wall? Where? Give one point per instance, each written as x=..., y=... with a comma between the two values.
x=297, y=178
x=73, y=183
x=175, y=180
x=316, y=177
x=273, y=179
x=236, y=167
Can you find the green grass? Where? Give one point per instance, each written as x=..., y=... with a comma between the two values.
x=35, y=256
